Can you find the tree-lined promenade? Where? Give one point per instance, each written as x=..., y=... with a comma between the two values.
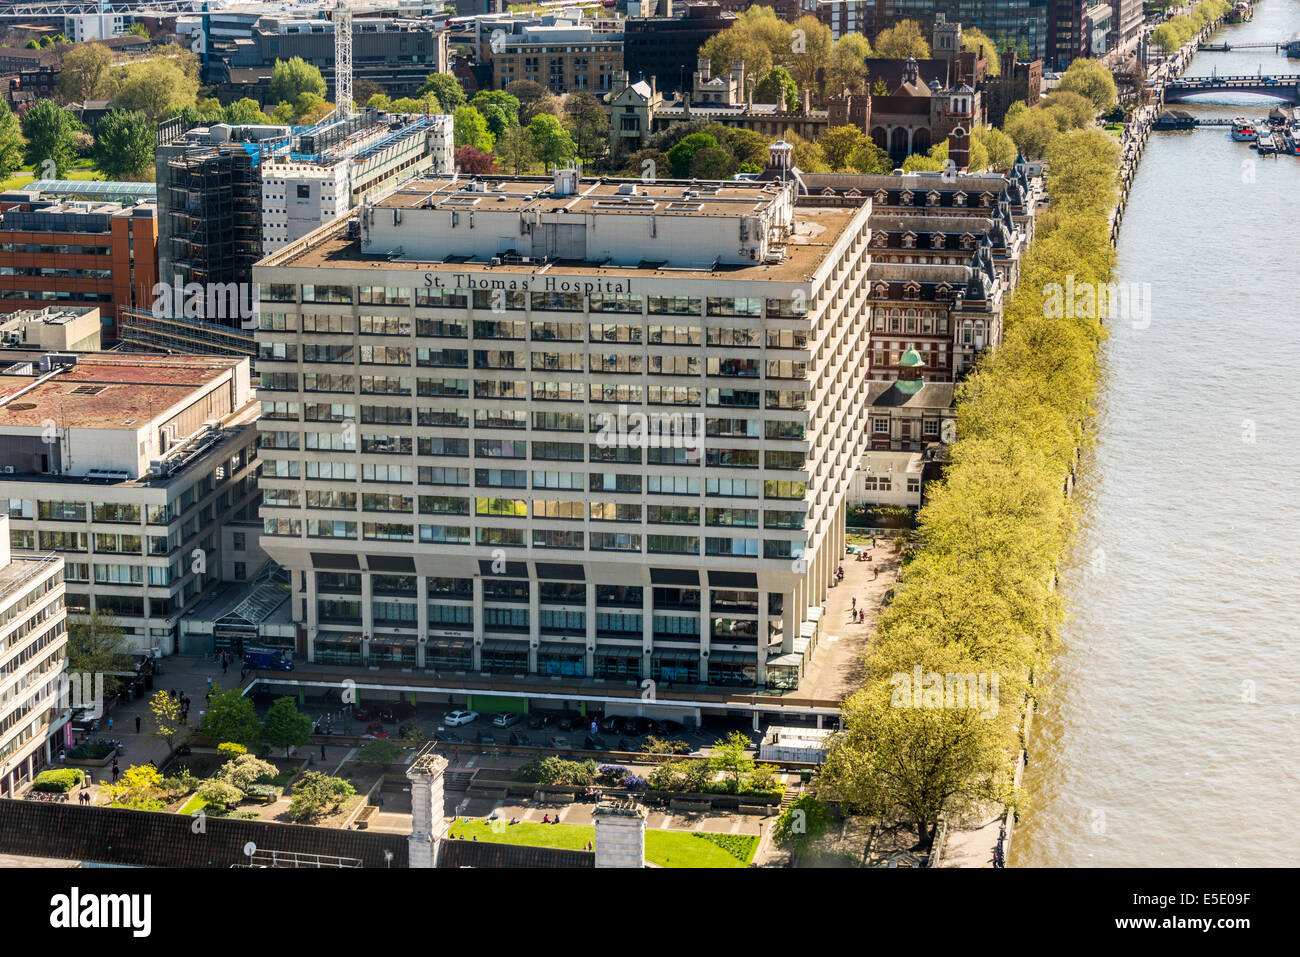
x=978, y=597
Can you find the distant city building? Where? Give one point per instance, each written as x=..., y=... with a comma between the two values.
x=148, y=458
x=75, y=253
x=56, y=329
x=229, y=194
x=662, y=48
x=563, y=52
x=396, y=54
x=33, y=661
x=94, y=26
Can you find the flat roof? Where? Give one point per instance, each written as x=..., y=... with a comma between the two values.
x=537, y=195
x=815, y=231
x=102, y=392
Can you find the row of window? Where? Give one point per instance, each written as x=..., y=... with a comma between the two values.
x=620, y=393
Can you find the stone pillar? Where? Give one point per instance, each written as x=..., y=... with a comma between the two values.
x=367, y=616
x=312, y=621
x=428, y=824
x=790, y=621
x=620, y=834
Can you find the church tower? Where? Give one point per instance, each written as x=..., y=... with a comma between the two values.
x=961, y=119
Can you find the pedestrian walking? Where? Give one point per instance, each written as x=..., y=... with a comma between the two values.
x=855, y=602
x=223, y=666
x=456, y=754
x=116, y=773
x=209, y=682
x=322, y=752
x=110, y=724
x=137, y=724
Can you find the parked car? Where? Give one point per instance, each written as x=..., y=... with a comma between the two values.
x=542, y=720
x=454, y=719
x=517, y=739
x=637, y=726
x=410, y=730
x=507, y=718
x=376, y=730
x=559, y=741
x=486, y=737
x=667, y=726
x=375, y=714
x=593, y=744
x=611, y=724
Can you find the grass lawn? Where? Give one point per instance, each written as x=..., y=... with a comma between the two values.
x=665, y=848
x=192, y=805
x=17, y=181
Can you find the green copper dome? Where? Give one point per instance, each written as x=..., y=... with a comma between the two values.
x=911, y=359
x=909, y=379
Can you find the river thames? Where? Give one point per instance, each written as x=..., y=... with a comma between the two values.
x=1171, y=732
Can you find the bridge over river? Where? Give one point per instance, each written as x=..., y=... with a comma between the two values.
x=1282, y=87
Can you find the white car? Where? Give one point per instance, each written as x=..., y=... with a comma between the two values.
x=453, y=719
x=507, y=718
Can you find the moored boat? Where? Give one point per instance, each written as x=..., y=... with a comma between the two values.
x=1243, y=130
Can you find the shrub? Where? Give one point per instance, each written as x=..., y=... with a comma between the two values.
x=612, y=773
x=232, y=749
x=58, y=781
x=739, y=846
x=245, y=770
x=553, y=770
x=263, y=792
x=316, y=794
x=634, y=783
x=220, y=792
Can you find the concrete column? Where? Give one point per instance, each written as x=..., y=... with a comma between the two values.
x=428, y=825
x=790, y=621
x=534, y=622
x=620, y=834
x=706, y=631
x=309, y=580
x=421, y=618
x=591, y=631
x=367, y=616
x=647, y=628
x=910, y=132
x=478, y=623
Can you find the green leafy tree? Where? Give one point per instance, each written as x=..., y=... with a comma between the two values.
x=51, y=134
x=810, y=51
x=379, y=752
x=588, y=124
x=914, y=762
x=285, y=726
x=515, y=149
x=140, y=788
x=167, y=722
x=551, y=141
x=445, y=88
x=155, y=87
x=86, y=73
x=231, y=717
x=124, y=145
x=1093, y=79
x=904, y=39
x=778, y=87
x=295, y=76
x=801, y=825
x=245, y=770
x=974, y=40
x=1000, y=148
x=712, y=163
x=838, y=143
x=245, y=111
x=363, y=90
x=918, y=163
x=746, y=146
x=681, y=155
x=867, y=157
x=317, y=794
x=96, y=643
x=507, y=102
x=848, y=69
x=378, y=101
x=471, y=129
x=220, y=793
x=138, y=30
x=496, y=120
x=730, y=757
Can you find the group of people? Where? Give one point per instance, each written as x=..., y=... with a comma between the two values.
x=181, y=699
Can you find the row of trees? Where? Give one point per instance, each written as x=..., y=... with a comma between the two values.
x=1176, y=31
x=1085, y=90
x=978, y=597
